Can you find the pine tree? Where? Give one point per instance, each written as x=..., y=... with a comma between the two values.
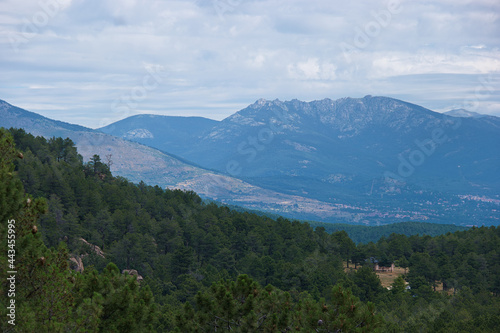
x=42, y=278
x=11, y=192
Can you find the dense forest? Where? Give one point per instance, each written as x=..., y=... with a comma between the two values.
x=96, y=253
x=365, y=234
x=360, y=233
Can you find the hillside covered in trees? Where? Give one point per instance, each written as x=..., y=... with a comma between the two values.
x=199, y=267
x=365, y=234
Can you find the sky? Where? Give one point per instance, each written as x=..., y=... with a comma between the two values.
x=93, y=62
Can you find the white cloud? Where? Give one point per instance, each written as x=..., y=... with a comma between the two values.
x=312, y=69
x=430, y=62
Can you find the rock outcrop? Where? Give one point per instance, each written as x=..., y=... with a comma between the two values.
x=134, y=273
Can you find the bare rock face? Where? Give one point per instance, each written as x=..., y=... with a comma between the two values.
x=134, y=273
x=94, y=248
x=76, y=263
x=138, y=133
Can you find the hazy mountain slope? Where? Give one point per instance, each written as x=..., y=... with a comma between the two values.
x=349, y=144
x=138, y=162
x=371, y=156
x=354, y=141
x=12, y=116
x=131, y=160
x=171, y=134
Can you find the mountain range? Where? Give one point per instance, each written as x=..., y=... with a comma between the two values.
x=366, y=160
x=131, y=160
x=138, y=162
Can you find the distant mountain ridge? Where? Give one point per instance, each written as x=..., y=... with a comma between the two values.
x=160, y=131
x=134, y=161
x=17, y=117
x=346, y=140
x=373, y=151
x=138, y=162
x=363, y=160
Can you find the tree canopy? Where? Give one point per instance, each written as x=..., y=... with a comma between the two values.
x=206, y=267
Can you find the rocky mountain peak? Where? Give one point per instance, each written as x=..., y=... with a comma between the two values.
x=344, y=114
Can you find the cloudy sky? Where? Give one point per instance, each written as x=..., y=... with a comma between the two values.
x=92, y=62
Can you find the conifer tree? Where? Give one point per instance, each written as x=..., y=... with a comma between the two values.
x=11, y=192
x=42, y=278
